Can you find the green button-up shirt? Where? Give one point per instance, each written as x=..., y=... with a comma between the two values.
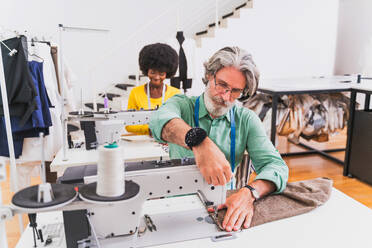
x=250, y=136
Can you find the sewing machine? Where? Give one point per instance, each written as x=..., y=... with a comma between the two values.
x=121, y=222
x=108, y=126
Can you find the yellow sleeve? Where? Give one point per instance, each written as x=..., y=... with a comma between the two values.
x=133, y=104
x=132, y=100
x=171, y=92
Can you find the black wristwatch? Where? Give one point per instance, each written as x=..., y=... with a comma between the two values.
x=195, y=136
x=255, y=193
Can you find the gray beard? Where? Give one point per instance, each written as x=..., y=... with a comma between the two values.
x=216, y=106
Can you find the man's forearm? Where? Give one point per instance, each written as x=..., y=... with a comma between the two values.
x=264, y=187
x=175, y=131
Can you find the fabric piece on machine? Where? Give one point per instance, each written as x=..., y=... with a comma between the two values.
x=298, y=198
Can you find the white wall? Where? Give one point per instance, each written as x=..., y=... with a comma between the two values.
x=354, y=47
x=286, y=38
x=101, y=59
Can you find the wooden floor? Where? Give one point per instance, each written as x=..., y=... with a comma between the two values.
x=300, y=168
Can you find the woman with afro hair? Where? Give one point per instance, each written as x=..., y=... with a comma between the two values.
x=157, y=61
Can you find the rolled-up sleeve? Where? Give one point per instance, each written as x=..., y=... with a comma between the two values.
x=169, y=110
x=266, y=159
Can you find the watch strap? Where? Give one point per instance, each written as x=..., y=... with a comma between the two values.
x=255, y=193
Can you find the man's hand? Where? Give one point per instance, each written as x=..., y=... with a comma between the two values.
x=212, y=163
x=239, y=210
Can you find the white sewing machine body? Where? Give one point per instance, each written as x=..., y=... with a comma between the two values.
x=109, y=126
x=123, y=218
x=116, y=223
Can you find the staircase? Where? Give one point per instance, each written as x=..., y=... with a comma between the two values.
x=210, y=30
x=118, y=94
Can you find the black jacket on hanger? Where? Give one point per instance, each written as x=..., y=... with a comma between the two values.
x=182, y=66
x=21, y=90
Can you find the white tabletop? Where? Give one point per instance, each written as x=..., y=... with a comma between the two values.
x=308, y=83
x=314, y=83
x=139, y=148
x=342, y=222
x=364, y=85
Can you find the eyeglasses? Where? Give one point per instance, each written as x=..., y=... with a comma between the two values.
x=223, y=88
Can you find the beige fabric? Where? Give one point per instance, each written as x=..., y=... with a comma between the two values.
x=298, y=198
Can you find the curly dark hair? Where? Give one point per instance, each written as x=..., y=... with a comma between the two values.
x=160, y=57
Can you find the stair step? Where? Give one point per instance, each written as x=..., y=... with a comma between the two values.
x=228, y=15
x=71, y=128
x=124, y=86
x=201, y=33
x=214, y=24
x=90, y=105
x=134, y=77
x=241, y=6
x=110, y=96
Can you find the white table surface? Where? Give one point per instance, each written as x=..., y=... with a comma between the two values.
x=307, y=83
x=141, y=148
x=314, y=83
x=342, y=222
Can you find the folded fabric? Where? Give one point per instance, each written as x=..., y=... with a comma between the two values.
x=298, y=198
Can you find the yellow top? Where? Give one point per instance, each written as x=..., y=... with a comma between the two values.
x=138, y=100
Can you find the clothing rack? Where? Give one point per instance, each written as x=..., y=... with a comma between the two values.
x=39, y=41
x=13, y=169
x=5, y=101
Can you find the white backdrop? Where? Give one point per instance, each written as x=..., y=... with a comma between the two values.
x=286, y=38
x=354, y=47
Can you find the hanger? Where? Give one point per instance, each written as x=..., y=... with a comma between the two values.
x=11, y=51
x=33, y=54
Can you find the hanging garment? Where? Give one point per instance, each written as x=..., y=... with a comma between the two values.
x=54, y=54
x=43, y=51
x=20, y=87
x=312, y=117
x=40, y=120
x=68, y=82
x=41, y=116
x=52, y=142
x=261, y=104
x=186, y=54
x=17, y=142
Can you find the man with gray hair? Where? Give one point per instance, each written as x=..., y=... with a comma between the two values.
x=214, y=130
